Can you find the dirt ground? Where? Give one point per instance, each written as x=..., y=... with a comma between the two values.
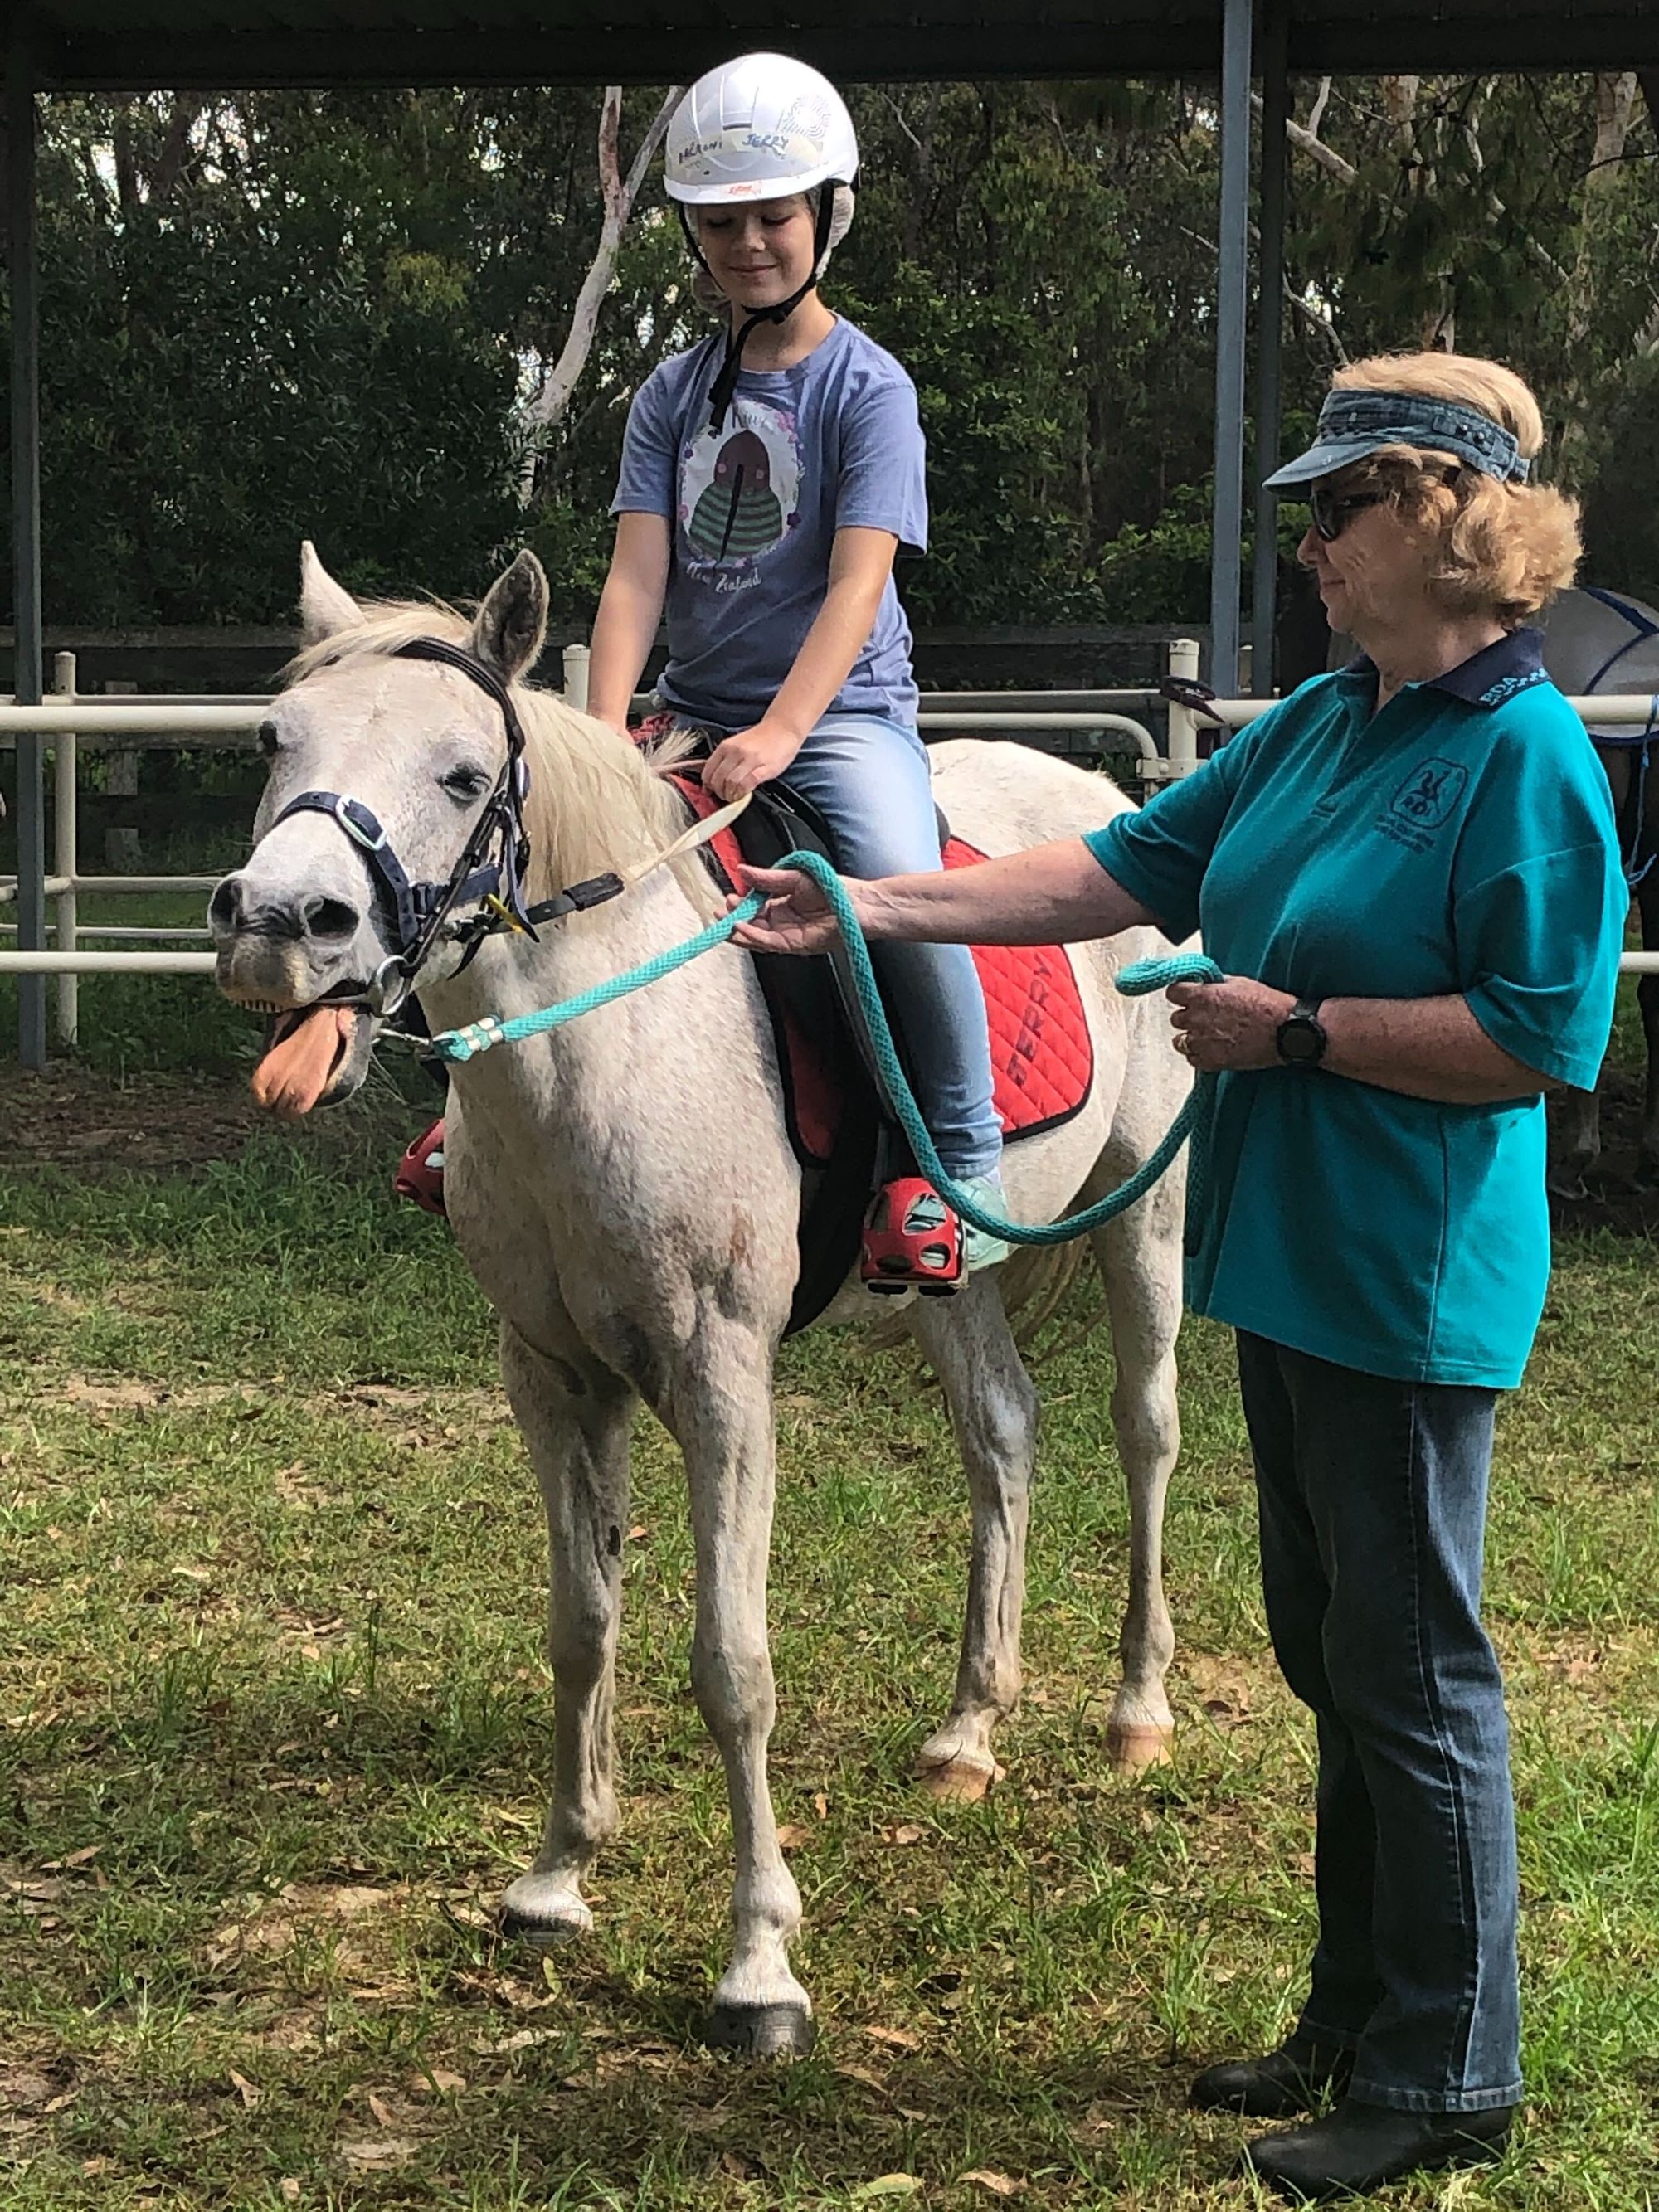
x=73, y=1117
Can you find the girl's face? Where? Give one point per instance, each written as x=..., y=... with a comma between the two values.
x=1375, y=572
x=758, y=254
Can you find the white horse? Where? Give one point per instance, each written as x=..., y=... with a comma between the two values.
x=625, y=1194
x=1598, y=641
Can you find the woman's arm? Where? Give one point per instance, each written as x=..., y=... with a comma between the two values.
x=630, y=608
x=860, y=562
x=1420, y=1048
x=1051, y=895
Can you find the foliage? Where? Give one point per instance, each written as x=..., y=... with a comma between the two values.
x=278, y=315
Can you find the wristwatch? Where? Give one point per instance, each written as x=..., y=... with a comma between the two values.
x=1301, y=1038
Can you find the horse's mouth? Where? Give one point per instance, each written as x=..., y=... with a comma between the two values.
x=314, y=1057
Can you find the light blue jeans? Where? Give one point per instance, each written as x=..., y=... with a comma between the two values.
x=870, y=780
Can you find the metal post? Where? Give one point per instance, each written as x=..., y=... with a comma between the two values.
x=66, y=936
x=576, y=675
x=1233, y=277
x=1183, y=724
x=25, y=529
x=1269, y=331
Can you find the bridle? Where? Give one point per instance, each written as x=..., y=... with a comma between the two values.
x=488, y=875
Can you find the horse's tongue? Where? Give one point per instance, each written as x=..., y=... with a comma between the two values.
x=295, y=1072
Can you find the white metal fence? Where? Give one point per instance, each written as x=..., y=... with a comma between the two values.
x=66, y=719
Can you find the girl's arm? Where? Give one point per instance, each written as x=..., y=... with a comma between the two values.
x=630, y=608
x=861, y=562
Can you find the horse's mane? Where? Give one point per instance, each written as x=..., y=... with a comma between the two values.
x=595, y=802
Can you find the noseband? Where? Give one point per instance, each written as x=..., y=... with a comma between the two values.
x=489, y=871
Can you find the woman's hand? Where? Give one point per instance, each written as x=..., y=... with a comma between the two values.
x=752, y=756
x=797, y=917
x=1233, y=1026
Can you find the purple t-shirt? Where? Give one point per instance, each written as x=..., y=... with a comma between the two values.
x=831, y=444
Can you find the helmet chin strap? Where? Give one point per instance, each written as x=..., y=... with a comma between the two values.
x=725, y=384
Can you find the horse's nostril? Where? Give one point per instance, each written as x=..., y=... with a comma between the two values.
x=225, y=908
x=329, y=917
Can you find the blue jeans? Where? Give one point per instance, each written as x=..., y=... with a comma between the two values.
x=1372, y=1496
x=870, y=780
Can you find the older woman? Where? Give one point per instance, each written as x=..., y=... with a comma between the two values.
x=1408, y=871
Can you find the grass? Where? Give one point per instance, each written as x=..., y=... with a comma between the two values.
x=274, y=1728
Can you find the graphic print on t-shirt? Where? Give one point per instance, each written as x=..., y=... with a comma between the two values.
x=740, y=487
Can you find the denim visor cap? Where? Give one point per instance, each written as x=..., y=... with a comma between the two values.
x=1352, y=424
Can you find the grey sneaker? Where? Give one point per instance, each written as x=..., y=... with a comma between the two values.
x=980, y=1248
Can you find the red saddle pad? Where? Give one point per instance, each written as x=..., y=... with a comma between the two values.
x=1042, y=1057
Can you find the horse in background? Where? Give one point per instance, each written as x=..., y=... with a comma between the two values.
x=1597, y=640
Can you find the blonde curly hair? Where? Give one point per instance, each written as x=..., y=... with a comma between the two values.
x=1500, y=548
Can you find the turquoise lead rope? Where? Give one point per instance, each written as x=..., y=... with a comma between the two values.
x=1192, y=1121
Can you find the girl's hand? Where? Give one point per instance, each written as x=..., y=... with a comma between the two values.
x=796, y=918
x=752, y=756
x=1232, y=1025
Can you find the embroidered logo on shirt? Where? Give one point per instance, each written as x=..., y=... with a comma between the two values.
x=1429, y=794
x=1507, y=686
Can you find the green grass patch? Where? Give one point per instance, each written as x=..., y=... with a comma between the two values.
x=274, y=1730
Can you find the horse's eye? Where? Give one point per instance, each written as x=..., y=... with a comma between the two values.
x=466, y=783
x=267, y=741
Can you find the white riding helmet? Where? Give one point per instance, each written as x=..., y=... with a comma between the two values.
x=758, y=128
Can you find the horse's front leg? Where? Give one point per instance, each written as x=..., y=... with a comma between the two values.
x=994, y=1412
x=1647, y=991
x=1574, y=1142
x=722, y=1415
x=575, y=1416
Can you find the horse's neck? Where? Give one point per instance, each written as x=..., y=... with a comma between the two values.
x=685, y=1020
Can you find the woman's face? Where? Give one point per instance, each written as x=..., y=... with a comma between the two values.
x=759, y=254
x=1376, y=571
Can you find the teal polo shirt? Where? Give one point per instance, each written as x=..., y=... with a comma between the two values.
x=1460, y=841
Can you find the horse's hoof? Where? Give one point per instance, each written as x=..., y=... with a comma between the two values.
x=959, y=1781
x=1571, y=1187
x=543, y=1914
x=760, y=2031
x=1131, y=1748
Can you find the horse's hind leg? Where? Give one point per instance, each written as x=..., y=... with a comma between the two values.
x=575, y=1416
x=1139, y=1257
x=993, y=1410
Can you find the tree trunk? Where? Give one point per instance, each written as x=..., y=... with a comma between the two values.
x=542, y=415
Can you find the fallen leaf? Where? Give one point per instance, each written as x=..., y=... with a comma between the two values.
x=899, y=2038
x=638, y=1531
x=251, y=2097
x=870, y=2078
x=382, y=2111
x=443, y=2079
x=821, y=1805
x=909, y=1833
x=792, y=1836
x=886, y=2185
x=999, y=2184
x=288, y=2189
x=378, y=2154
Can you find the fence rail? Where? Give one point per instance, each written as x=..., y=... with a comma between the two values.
x=156, y=722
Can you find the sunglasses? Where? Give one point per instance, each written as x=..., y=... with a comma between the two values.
x=1333, y=511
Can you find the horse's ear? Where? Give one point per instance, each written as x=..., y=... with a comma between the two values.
x=325, y=607
x=512, y=620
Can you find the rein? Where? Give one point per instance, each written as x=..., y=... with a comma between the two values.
x=1145, y=975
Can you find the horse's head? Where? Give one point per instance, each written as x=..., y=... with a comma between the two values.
x=380, y=766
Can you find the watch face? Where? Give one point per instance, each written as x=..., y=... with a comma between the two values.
x=1300, y=1038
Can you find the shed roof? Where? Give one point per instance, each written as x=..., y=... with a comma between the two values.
x=133, y=45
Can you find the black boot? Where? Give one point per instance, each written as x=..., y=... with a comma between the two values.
x=1295, y=2078
x=1358, y=2148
